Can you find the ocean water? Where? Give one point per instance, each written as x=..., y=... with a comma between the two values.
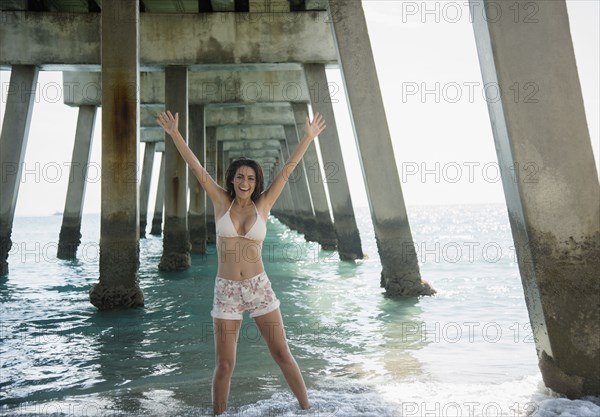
x=468, y=351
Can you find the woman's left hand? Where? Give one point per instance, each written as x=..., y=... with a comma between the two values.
x=315, y=127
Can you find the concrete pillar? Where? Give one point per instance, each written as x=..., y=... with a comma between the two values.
x=277, y=208
x=290, y=218
x=325, y=234
x=224, y=165
x=157, y=219
x=550, y=184
x=348, y=239
x=149, y=152
x=13, y=141
x=197, y=210
x=221, y=168
x=70, y=231
x=305, y=219
x=176, y=239
x=211, y=168
x=284, y=207
x=400, y=274
x=119, y=224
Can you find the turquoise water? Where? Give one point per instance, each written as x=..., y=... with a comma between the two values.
x=467, y=351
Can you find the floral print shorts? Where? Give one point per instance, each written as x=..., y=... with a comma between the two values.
x=254, y=295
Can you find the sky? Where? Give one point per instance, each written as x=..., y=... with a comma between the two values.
x=443, y=145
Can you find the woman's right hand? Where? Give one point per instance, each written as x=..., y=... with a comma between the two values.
x=168, y=122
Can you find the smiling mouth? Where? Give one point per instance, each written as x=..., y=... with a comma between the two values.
x=244, y=189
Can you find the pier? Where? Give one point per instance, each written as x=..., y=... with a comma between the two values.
x=243, y=76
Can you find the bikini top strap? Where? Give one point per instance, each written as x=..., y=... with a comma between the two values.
x=258, y=212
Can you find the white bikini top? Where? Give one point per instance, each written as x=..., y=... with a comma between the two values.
x=225, y=228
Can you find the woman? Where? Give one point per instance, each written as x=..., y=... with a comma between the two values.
x=241, y=284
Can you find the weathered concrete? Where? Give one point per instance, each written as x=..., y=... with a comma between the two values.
x=20, y=97
x=271, y=6
x=224, y=161
x=301, y=194
x=554, y=201
x=197, y=210
x=249, y=114
x=268, y=132
x=176, y=239
x=70, y=231
x=249, y=153
x=284, y=208
x=157, y=219
x=119, y=228
x=400, y=274
x=282, y=83
x=251, y=144
x=231, y=114
x=211, y=168
x=290, y=218
x=169, y=6
x=221, y=168
x=259, y=159
x=324, y=226
x=149, y=151
x=232, y=133
x=152, y=134
x=346, y=231
x=170, y=39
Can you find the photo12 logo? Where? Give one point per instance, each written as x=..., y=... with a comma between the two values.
x=457, y=11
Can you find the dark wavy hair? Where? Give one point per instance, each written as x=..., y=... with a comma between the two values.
x=232, y=169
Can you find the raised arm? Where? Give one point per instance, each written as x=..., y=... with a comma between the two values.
x=215, y=192
x=312, y=130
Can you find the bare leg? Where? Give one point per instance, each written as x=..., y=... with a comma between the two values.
x=226, y=337
x=272, y=330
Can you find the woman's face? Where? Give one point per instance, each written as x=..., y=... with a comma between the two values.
x=244, y=181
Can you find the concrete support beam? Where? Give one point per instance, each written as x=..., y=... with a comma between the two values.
x=261, y=160
x=348, y=239
x=272, y=154
x=273, y=132
x=221, y=168
x=20, y=97
x=250, y=145
x=292, y=218
x=149, y=151
x=211, y=168
x=157, y=219
x=324, y=226
x=223, y=5
x=197, y=208
x=152, y=134
x=283, y=84
x=400, y=274
x=554, y=201
x=249, y=114
x=231, y=114
x=193, y=39
x=271, y=6
x=176, y=239
x=224, y=162
x=232, y=134
x=284, y=209
x=70, y=231
x=305, y=215
x=119, y=228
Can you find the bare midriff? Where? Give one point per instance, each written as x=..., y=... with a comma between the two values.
x=239, y=258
